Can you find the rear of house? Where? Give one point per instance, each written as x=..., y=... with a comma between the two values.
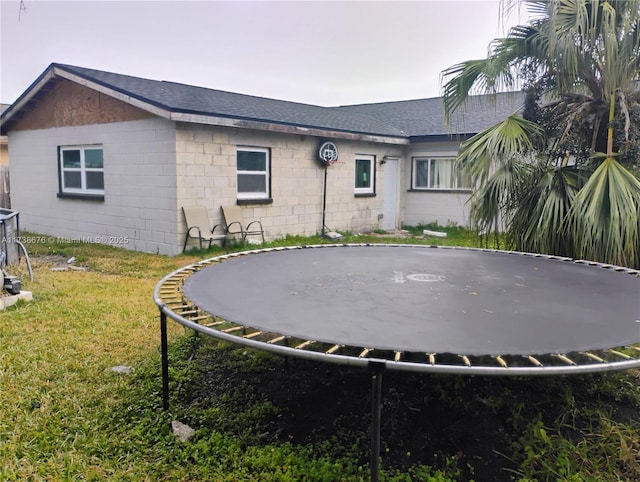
x=109, y=158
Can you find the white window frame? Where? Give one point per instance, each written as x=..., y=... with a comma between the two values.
x=266, y=173
x=83, y=170
x=430, y=160
x=372, y=174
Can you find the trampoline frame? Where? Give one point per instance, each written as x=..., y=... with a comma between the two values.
x=172, y=303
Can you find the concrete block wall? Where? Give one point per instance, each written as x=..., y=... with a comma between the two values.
x=424, y=207
x=206, y=173
x=153, y=167
x=442, y=207
x=139, y=208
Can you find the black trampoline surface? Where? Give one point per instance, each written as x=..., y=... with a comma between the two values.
x=425, y=299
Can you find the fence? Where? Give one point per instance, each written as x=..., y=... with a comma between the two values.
x=10, y=235
x=5, y=190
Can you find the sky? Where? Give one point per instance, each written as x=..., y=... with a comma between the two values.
x=316, y=52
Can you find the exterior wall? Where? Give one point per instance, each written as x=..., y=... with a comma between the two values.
x=206, y=174
x=442, y=208
x=139, y=208
x=424, y=207
x=153, y=167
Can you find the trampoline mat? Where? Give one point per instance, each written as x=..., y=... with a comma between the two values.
x=424, y=299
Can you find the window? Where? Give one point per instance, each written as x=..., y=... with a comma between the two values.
x=437, y=173
x=82, y=170
x=365, y=170
x=253, y=173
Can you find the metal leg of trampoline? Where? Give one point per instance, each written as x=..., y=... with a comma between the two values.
x=376, y=414
x=165, y=360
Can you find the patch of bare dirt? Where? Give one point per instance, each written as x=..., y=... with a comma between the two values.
x=426, y=419
x=58, y=262
x=392, y=233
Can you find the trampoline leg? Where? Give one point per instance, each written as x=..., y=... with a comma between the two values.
x=165, y=360
x=376, y=409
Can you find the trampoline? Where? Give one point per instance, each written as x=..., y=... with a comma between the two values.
x=412, y=307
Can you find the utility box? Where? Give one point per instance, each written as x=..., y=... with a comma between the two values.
x=10, y=235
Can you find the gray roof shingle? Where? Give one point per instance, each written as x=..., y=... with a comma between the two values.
x=425, y=117
x=401, y=119
x=199, y=100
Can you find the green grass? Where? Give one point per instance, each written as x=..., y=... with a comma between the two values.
x=66, y=416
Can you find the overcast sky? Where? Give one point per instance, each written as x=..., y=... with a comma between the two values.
x=321, y=52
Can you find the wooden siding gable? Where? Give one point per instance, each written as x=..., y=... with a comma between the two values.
x=71, y=104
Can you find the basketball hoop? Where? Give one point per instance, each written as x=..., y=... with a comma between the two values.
x=328, y=153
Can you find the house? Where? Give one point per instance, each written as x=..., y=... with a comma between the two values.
x=106, y=157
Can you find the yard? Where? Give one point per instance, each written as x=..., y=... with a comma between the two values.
x=65, y=414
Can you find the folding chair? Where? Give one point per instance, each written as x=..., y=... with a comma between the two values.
x=234, y=224
x=198, y=227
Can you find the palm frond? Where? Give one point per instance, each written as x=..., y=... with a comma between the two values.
x=523, y=45
x=541, y=215
x=482, y=76
x=494, y=199
x=605, y=216
x=512, y=137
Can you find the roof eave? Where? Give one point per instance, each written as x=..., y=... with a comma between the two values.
x=453, y=137
x=25, y=98
x=285, y=128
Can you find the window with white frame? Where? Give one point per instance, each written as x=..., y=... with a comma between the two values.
x=253, y=166
x=365, y=172
x=81, y=170
x=433, y=173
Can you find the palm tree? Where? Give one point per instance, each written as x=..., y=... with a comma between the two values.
x=559, y=177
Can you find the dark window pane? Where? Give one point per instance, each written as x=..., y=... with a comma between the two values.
x=363, y=173
x=421, y=172
x=71, y=159
x=95, y=180
x=93, y=158
x=252, y=183
x=72, y=180
x=252, y=161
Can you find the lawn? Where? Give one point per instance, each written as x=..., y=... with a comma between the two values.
x=66, y=415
